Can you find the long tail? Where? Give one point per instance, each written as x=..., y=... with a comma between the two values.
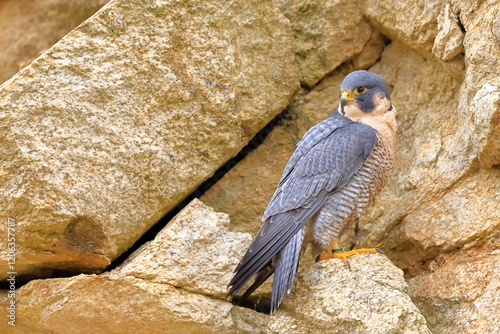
x=287, y=262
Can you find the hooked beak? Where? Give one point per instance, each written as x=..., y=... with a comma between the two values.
x=346, y=99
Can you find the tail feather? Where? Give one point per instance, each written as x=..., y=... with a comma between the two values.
x=287, y=262
x=260, y=278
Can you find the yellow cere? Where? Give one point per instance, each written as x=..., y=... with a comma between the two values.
x=347, y=95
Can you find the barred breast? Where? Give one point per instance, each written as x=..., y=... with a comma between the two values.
x=347, y=204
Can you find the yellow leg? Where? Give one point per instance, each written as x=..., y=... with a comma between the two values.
x=335, y=252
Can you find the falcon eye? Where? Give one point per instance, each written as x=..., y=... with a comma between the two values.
x=359, y=90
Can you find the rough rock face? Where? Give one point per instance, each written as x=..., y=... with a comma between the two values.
x=461, y=291
x=449, y=40
x=331, y=298
x=174, y=284
x=28, y=28
x=194, y=252
x=257, y=176
x=120, y=120
x=324, y=37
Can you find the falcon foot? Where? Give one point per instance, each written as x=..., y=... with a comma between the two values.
x=338, y=253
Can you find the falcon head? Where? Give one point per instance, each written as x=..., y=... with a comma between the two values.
x=363, y=92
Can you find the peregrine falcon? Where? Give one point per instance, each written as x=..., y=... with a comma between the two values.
x=337, y=169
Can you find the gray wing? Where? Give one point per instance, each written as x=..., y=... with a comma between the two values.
x=324, y=161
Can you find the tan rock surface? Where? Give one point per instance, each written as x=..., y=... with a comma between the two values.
x=327, y=33
x=120, y=120
x=174, y=284
x=461, y=293
x=331, y=298
x=416, y=26
x=449, y=40
x=96, y=303
x=194, y=252
x=479, y=99
x=463, y=216
x=28, y=28
x=487, y=122
x=413, y=24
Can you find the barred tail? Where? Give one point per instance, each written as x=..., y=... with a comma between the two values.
x=287, y=262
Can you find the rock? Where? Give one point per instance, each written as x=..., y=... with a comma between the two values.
x=126, y=115
x=28, y=28
x=194, y=252
x=449, y=40
x=125, y=305
x=479, y=97
x=461, y=294
x=331, y=298
x=372, y=51
x=175, y=283
x=481, y=45
x=414, y=25
x=466, y=213
x=487, y=123
x=327, y=33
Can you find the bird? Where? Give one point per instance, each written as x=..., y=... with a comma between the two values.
x=335, y=172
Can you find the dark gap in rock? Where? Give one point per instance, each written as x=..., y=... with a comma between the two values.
x=258, y=305
x=255, y=142
x=21, y=280
x=306, y=88
x=460, y=24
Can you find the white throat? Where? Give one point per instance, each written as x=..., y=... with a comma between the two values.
x=382, y=118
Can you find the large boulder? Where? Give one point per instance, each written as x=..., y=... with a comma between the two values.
x=460, y=292
x=194, y=252
x=126, y=115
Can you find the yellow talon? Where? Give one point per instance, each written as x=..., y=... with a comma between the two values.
x=338, y=253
